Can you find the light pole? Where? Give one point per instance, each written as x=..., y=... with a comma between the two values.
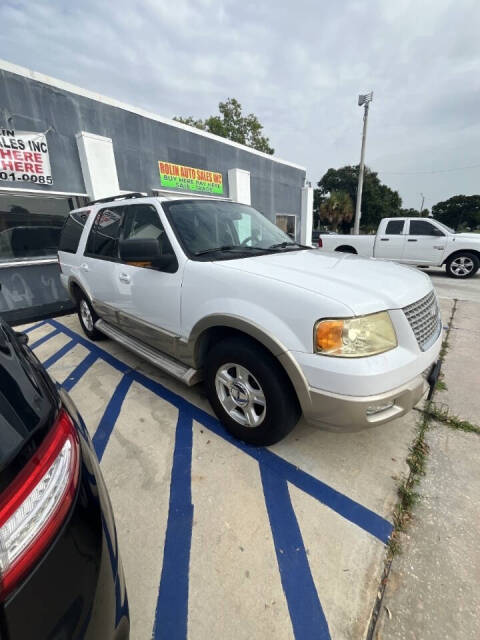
x=365, y=101
x=423, y=202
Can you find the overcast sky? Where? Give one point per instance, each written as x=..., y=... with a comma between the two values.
x=298, y=66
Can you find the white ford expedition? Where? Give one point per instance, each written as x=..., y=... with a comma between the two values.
x=416, y=241
x=211, y=290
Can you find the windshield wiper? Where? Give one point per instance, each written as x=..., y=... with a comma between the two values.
x=232, y=247
x=225, y=247
x=284, y=245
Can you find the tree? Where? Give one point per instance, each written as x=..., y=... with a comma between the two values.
x=378, y=200
x=458, y=211
x=233, y=125
x=414, y=213
x=337, y=210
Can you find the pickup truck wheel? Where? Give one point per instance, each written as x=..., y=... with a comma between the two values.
x=88, y=317
x=463, y=265
x=250, y=393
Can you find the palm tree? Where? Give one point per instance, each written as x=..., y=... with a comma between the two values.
x=337, y=209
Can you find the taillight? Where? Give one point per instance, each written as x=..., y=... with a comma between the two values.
x=320, y=242
x=35, y=504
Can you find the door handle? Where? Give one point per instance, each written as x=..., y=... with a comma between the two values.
x=84, y=266
x=385, y=239
x=123, y=277
x=412, y=240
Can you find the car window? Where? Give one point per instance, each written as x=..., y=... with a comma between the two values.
x=423, y=228
x=141, y=221
x=103, y=239
x=394, y=227
x=72, y=231
x=202, y=226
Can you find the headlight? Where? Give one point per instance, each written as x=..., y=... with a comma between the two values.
x=355, y=337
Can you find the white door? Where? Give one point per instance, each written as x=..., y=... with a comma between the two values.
x=149, y=298
x=425, y=243
x=390, y=245
x=99, y=262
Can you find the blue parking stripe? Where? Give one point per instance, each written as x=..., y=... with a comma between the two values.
x=306, y=614
x=43, y=339
x=78, y=372
x=34, y=326
x=59, y=354
x=353, y=511
x=110, y=416
x=171, y=615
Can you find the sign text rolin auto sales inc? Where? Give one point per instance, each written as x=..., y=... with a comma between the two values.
x=24, y=157
x=178, y=176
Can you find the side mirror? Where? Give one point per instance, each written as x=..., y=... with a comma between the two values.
x=437, y=232
x=21, y=337
x=147, y=250
x=140, y=250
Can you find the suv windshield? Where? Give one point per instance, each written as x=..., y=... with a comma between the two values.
x=226, y=229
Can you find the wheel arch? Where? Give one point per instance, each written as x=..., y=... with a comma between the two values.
x=346, y=248
x=459, y=252
x=210, y=330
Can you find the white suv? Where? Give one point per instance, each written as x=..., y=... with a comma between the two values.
x=211, y=290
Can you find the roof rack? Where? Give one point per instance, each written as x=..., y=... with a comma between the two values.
x=124, y=196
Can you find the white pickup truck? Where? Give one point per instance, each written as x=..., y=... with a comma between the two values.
x=211, y=290
x=416, y=241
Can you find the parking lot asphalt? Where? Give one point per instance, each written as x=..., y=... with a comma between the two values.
x=222, y=540
x=454, y=289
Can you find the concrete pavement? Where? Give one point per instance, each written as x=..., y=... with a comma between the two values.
x=287, y=542
x=432, y=590
x=221, y=541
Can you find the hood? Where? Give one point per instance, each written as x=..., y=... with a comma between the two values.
x=468, y=236
x=365, y=285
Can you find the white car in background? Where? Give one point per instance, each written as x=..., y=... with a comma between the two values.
x=211, y=290
x=416, y=241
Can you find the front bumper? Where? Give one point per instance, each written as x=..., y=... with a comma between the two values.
x=351, y=413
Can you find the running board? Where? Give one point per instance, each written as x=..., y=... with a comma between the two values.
x=178, y=370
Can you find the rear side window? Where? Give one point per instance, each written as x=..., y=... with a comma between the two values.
x=422, y=228
x=394, y=227
x=103, y=239
x=72, y=231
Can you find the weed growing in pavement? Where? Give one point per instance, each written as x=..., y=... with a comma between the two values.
x=441, y=385
x=406, y=491
x=443, y=415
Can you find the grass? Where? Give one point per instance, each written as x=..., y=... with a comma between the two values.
x=417, y=456
x=443, y=415
x=407, y=495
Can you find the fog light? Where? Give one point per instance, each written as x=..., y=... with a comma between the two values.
x=378, y=408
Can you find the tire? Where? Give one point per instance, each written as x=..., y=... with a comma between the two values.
x=238, y=372
x=88, y=317
x=462, y=265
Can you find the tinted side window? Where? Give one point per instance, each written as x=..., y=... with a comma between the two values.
x=103, y=239
x=421, y=228
x=143, y=221
x=394, y=227
x=72, y=231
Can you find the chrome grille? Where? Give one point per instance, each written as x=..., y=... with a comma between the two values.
x=424, y=318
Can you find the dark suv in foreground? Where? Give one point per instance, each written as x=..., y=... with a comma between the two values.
x=61, y=575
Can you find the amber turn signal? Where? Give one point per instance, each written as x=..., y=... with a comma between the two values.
x=329, y=335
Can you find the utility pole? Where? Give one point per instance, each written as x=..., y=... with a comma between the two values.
x=423, y=201
x=365, y=101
